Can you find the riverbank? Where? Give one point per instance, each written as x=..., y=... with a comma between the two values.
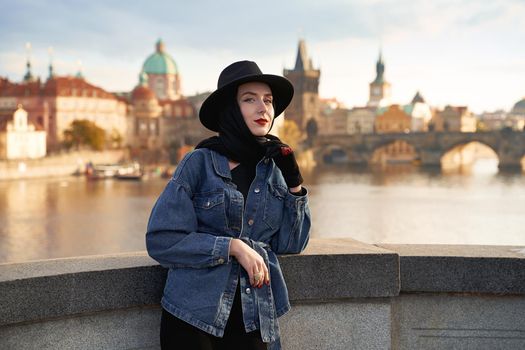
x=56, y=165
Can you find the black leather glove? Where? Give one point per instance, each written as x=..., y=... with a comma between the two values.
x=284, y=158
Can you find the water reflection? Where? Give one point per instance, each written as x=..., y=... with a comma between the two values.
x=60, y=218
x=405, y=204
x=397, y=203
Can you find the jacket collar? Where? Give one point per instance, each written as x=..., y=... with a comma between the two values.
x=220, y=165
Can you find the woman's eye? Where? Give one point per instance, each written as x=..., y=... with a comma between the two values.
x=249, y=99
x=268, y=101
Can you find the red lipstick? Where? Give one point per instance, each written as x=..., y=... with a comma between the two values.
x=261, y=121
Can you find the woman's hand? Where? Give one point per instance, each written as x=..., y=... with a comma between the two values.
x=251, y=261
x=284, y=158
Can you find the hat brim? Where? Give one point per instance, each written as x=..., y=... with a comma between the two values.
x=282, y=91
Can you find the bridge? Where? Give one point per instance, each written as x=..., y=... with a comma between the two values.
x=430, y=147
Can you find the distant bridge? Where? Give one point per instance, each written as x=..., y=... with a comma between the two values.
x=429, y=146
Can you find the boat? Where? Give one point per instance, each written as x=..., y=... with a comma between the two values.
x=101, y=171
x=131, y=171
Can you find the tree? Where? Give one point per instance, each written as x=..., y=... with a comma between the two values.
x=290, y=134
x=84, y=133
x=116, y=139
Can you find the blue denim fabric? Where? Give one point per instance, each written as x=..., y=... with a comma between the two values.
x=190, y=229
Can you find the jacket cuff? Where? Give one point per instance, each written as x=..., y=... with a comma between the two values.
x=302, y=192
x=296, y=200
x=221, y=251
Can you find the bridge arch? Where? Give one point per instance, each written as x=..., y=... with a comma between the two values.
x=333, y=154
x=394, y=151
x=466, y=153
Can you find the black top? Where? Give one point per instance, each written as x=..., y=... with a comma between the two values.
x=242, y=176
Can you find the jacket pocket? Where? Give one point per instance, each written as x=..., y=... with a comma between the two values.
x=210, y=211
x=274, y=206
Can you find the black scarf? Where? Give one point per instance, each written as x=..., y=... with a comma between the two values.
x=235, y=140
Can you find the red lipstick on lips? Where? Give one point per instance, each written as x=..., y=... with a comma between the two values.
x=261, y=121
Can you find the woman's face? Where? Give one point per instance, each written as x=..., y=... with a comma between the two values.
x=255, y=101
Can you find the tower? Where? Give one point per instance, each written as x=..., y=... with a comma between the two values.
x=28, y=76
x=304, y=108
x=379, y=88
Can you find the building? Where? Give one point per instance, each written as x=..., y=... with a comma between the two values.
x=59, y=100
x=380, y=89
x=181, y=125
x=516, y=117
x=336, y=119
x=304, y=108
x=332, y=117
x=144, y=122
x=392, y=119
x=361, y=120
x=20, y=139
x=420, y=112
x=156, y=125
x=160, y=118
x=162, y=73
x=454, y=118
x=492, y=120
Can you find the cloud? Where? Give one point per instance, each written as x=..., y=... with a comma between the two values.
x=423, y=42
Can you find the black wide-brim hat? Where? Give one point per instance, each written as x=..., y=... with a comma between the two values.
x=230, y=78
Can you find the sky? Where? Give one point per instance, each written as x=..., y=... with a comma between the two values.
x=457, y=52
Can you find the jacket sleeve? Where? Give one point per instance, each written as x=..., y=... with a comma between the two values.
x=294, y=233
x=172, y=238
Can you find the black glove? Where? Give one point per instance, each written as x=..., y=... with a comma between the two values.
x=284, y=158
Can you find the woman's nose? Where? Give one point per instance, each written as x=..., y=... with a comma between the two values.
x=261, y=107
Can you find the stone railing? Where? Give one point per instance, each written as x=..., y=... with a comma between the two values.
x=345, y=295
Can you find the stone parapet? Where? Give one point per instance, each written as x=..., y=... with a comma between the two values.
x=341, y=268
x=61, y=287
x=345, y=295
x=461, y=268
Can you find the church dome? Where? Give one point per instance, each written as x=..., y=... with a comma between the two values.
x=160, y=62
x=142, y=93
x=519, y=107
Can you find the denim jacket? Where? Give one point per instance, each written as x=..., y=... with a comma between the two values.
x=190, y=229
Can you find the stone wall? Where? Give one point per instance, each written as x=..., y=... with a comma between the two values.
x=56, y=165
x=345, y=295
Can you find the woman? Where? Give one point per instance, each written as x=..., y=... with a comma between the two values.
x=233, y=204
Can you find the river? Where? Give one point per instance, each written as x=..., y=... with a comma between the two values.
x=63, y=217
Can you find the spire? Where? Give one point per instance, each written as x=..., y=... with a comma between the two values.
x=302, y=62
x=159, y=46
x=28, y=76
x=51, y=70
x=79, y=74
x=380, y=68
x=418, y=98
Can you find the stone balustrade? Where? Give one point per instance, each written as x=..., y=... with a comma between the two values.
x=345, y=295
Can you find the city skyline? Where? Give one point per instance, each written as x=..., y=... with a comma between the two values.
x=454, y=52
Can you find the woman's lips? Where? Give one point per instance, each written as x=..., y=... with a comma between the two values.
x=261, y=121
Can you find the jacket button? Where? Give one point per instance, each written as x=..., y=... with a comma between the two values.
x=220, y=261
x=250, y=222
x=208, y=203
x=257, y=190
x=266, y=161
x=248, y=290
